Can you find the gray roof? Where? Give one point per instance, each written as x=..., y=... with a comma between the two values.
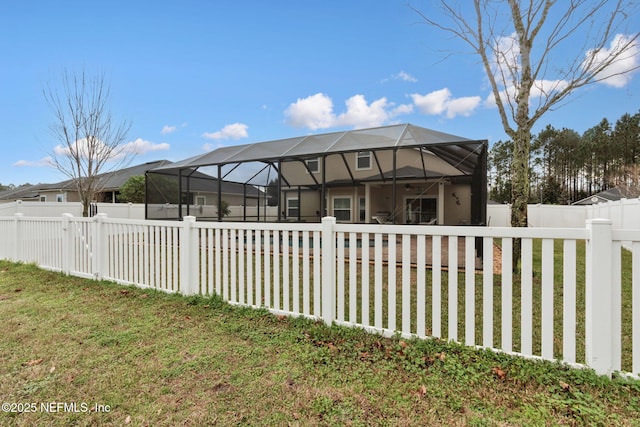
x=110, y=181
x=611, y=194
x=458, y=151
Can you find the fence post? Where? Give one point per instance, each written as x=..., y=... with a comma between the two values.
x=67, y=243
x=17, y=237
x=328, y=270
x=599, y=299
x=188, y=258
x=98, y=246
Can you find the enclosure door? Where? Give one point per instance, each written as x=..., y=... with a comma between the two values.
x=421, y=209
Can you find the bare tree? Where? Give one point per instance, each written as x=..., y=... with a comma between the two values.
x=524, y=45
x=91, y=141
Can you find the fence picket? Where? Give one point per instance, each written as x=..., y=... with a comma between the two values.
x=420, y=286
x=487, y=292
x=569, y=301
x=470, y=290
x=453, y=288
x=364, y=297
x=507, y=296
x=636, y=308
x=377, y=281
x=526, y=297
x=391, y=284
x=547, y=299
x=436, y=283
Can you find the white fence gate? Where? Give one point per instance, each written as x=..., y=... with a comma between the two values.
x=566, y=303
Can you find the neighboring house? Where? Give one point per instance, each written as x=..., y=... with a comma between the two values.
x=610, y=195
x=111, y=182
x=400, y=174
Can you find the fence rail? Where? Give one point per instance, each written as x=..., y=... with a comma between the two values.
x=575, y=298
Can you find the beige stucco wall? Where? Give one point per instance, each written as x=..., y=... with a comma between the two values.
x=457, y=204
x=296, y=173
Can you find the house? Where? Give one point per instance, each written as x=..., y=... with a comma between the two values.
x=111, y=182
x=612, y=194
x=401, y=174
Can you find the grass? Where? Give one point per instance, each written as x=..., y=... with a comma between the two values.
x=157, y=359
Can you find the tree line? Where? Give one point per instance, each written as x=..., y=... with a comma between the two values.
x=565, y=167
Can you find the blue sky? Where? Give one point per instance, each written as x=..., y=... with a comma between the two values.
x=195, y=75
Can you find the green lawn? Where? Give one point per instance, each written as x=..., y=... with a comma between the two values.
x=155, y=359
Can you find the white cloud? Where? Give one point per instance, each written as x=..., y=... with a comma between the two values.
x=232, y=131
x=432, y=103
x=141, y=146
x=46, y=161
x=506, y=54
x=405, y=77
x=464, y=106
x=402, y=109
x=166, y=129
x=540, y=88
x=618, y=73
x=313, y=112
x=316, y=112
x=402, y=75
x=360, y=114
x=441, y=102
x=83, y=150
x=546, y=87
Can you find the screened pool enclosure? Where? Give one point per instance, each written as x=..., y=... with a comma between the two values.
x=401, y=174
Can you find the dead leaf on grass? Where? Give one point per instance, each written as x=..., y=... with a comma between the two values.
x=128, y=419
x=565, y=386
x=17, y=290
x=52, y=369
x=422, y=391
x=4, y=297
x=499, y=372
x=282, y=317
x=33, y=362
x=125, y=292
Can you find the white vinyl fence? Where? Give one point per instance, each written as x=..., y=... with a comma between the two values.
x=137, y=210
x=425, y=281
x=624, y=213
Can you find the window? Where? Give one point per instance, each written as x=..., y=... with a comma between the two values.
x=43, y=198
x=362, y=207
x=421, y=210
x=313, y=165
x=201, y=200
x=59, y=198
x=293, y=208
x=342, y=209
x=363, y=160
